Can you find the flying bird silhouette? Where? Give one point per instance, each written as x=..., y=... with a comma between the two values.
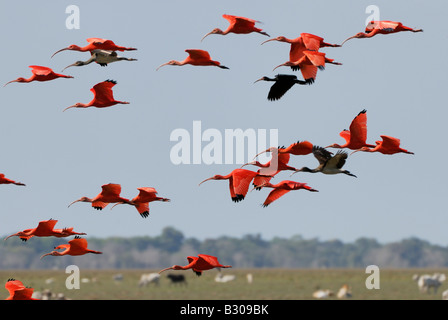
x=142, y=200
x=282, y=83
x=199, y=264
x=238, y=25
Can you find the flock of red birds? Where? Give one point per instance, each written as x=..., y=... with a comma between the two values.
x=304, y=55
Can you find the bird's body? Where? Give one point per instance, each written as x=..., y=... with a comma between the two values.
x=142, y=200
x=238, y=25
x=96, y=44
x=299, y=148
x=18, y=291
x=239, y=182
x=199, y=264
x=388, y=145
x=196, y=57
x=41, y=74
x=381, y=27
x=101, y=57
x=45, y=229
x=283, y=82
x=278, y=162
x=309, y=64
x=75, y=247
x=356, y=136
x=4, y=180
x=283, y=187
x=328, y=164
x=306, y=42
x=103, y=96
x=110, y=194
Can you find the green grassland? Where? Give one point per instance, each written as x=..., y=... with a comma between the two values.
x=268, y=284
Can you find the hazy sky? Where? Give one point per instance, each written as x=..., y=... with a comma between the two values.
x=61, y=156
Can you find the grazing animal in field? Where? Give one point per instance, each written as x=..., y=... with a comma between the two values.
x=425, y=282
x=148, y=278
x=177, y=278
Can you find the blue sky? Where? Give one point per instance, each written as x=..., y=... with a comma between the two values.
x=62, y=156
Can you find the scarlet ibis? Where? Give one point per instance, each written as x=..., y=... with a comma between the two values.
x=357, y=135
x=305, y=42
x=388, y=145
x=94, y=44
x=101, y=57
x=4, y=180
x=75, y=247
x=239, y=181
x=18, y=291
x=110, y=194
x=103, y=96
x=142, y=200
x=199, y=264
x=328, y=164
x=40, y=73
x=283, y=82
x=278, y=162
x=196, y=57
x=282, y=188
x=299, y=148
x=45, y=229
x=309, y=63
x=382, y=27
x=239, y=25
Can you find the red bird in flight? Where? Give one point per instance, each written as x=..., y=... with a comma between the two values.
x=45, y=229
x=299, y=148
x=309, y=63
x=142, y=200
x=96, y=44
x=196, y=57
x=103, y=96
x=110, y=194
x=238, y=25
x=4, y=180
x=283, y=187
x=306, y=42
x=356, y=137
x=40, y=74
x=239, y=181
x=18, y=291
x=75, y=247
x=199, y=264
x=389, y=145
x=382, y=27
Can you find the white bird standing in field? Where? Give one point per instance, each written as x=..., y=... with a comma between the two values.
x=102, y=57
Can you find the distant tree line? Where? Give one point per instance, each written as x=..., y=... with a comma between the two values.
x=250, y=251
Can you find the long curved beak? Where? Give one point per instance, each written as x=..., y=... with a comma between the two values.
x=73, y=203
x=267, y=150
x=167, y=63
x=72, y=65
x=204, y=181
x=9, y=236
x=117, y=204
x=281, y=65
x=274, y=39
x=47, y=254
x=58, y=52
x=259, y=80
x=247, y=164
x=295, y=171
x=9, y=82
x=170, y=268
x=206, y=35
x=354, y=151
x=66, y=109
x=347, y=40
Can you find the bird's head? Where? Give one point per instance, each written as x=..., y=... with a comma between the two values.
x=334, y=145
x=214, y=31
x=175, y=267
x=262, y=79
x=83, y=199
x=253, y=163
x=71, y=47
x=281, y=39
x=17, y=80
x=169, y=63
x=286, y=64
x=76, y=64
x=18, y=234
x=364, y=149
x=215, y=177
x=359, y=35
x=77, y=105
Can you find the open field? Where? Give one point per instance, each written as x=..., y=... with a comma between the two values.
x=268, y=284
